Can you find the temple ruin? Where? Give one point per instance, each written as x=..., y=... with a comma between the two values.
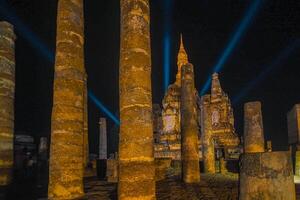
x=253, y=128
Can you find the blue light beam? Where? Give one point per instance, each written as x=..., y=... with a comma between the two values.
x=103, y=108
x=167, y=4
x=243, y=25
x=30, y=36
x=36, y=43
x=275, y=64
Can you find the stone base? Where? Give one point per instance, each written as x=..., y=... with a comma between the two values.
x=101, y=169
x=161, y=167
x=267, y=175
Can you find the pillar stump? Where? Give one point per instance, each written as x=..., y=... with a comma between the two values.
x=267, y=176
x=7, y=96
x=253, y=128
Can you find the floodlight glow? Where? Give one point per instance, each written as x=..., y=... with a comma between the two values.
x=284, y=54
x=167, y=4
x=243, y=25
x=36, y=43
x=30, y=36
x=103, y=108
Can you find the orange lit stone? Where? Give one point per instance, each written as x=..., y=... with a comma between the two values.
x=7, y=95
x=189, y=127
x=66, y=149
x=136, y=160
x=253, y=128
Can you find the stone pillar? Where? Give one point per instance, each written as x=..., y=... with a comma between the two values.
x=136, y=161
x=297, y=162
x=102, y=163
x=66, y=149
x=85, y=127
x=267, y=176
x=253, y=128
x=207, y=137
x=7, y=96
x=189, y=127
x=102, y=139
x=223, y=166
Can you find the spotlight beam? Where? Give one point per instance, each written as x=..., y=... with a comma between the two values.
x=275, y=64
x=36, y=43
x=30, y=36
x=243, y=25
x=103, y=108
x=167, y=4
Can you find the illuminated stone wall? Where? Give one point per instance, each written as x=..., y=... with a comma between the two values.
x=136, y=158
x=66, y=149
x=217, y=127
x=7, y=95
x=253, y=128
x=189, y=127
x=267, y=176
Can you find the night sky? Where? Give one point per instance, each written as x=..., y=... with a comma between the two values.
x=207, y=26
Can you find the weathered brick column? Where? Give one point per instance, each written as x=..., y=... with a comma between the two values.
x=7, y=96
x=253, y=128
x=85, y=127
x=136, y=161
x=267, y=176
x=189, y=127
x=207, y=137
x=66, y=149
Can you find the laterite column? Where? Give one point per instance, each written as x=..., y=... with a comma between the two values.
x=67, y=135
x=7, y=96
x=189, y=127
x=136, y=161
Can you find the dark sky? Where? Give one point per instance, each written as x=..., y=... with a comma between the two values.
x=207, y=26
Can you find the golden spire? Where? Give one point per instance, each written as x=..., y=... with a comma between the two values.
x=182, y=59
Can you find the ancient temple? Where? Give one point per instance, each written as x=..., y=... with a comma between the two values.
x=219, y=140
x=168, y=142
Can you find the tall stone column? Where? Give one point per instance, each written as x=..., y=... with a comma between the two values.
x=102, y=163
x=253, y=128
x=136, y=161
x=102, y=139
x=66, y=149
x=7, y=96
x=189, y=127
x=85, y=126
x=207, y=137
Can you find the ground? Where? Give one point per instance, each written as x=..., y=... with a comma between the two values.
x=222, y=187
x=211, y=187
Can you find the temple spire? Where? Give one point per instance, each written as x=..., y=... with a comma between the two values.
x=216, y=90
x=182, y=59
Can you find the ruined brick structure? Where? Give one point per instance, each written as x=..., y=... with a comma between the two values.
x=7, y=96
x=168, y=142
x=293, y=120
x=219, y=140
